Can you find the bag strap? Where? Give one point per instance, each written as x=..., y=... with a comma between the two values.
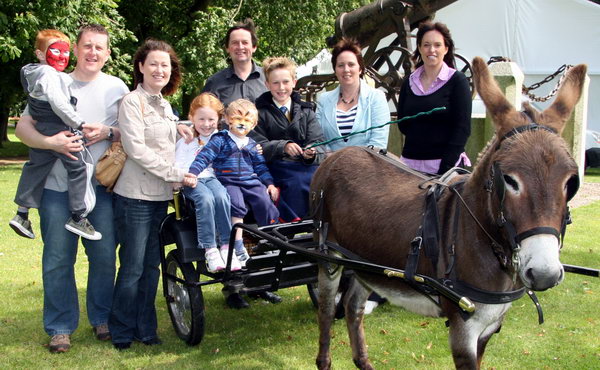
x=141, y=105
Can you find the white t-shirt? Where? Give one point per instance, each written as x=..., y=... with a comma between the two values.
x=97, y=102
x=186, y=153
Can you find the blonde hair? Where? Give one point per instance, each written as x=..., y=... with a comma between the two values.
x=45, y=38
x=207, y=100
x=242, y=107
x=273, y=63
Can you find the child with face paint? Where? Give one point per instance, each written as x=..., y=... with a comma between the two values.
x=240, y=169
x=50, y=104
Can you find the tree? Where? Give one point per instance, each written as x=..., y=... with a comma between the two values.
x=195, y=28
x=295, y=28
x=21, y=19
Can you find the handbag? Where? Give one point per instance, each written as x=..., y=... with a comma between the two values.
x=110, y=165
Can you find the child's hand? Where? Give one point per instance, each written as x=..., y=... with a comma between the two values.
x=273, y=192
x=176, y=185
x=309, y=153
x=259, y=149
x=190, y=180
x=186, y=132
x=292, y=149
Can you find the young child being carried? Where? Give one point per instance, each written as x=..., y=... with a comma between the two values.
x=241, y=169
x=50, y=103
x=286, y=127
x=211, y=201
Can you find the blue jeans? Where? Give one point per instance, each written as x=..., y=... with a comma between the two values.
x=213, y=212
x=61, y=305
x=133, y=315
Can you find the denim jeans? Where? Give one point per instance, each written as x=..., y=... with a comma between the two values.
x=133, y=315
x=213, y=212
x=61, y=304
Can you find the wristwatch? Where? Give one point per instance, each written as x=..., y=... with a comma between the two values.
x=111, y=134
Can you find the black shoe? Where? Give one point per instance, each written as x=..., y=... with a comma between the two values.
x=152, y=342
x=122, y=346
x=267, y=296
x=235, y=300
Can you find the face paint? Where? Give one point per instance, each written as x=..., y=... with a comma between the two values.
x=240, y=125
x=57, y=55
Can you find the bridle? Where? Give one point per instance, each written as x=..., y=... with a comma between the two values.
x=497, y=185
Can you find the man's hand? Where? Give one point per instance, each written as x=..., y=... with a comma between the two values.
x=273, y=192
x=292, y=149
x=65, y=142
x=186, y=132
x=94, y=132
x=190, y=180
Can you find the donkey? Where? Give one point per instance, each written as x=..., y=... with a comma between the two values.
x=504, y=237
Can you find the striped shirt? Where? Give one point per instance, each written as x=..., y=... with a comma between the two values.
x=345, y=120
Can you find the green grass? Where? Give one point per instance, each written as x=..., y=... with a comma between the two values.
x=284, y=336
x=592, y=175
x=13, y=147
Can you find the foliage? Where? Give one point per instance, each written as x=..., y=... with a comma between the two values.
x=21, y=19
x=197, y=28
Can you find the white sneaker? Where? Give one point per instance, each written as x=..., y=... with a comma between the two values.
x=243, y=257
x=235, y=263
x=214, y=261
x=370, y=306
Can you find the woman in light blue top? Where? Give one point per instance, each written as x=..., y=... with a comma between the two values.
x=353, y=105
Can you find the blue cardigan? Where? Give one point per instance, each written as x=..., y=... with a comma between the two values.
x=373, y=110
x=232, y=166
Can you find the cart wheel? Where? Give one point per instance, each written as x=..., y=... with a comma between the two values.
x=185, y=302
x=313, y=292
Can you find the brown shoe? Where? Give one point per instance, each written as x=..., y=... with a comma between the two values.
x=101, y=331
x=60, y=343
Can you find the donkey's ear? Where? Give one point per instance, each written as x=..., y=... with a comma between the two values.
x=568, y=95
x=496, y=104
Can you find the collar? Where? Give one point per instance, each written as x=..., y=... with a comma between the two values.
x=151, y=97
x=231, y=71
x=288, y=105
x=444, y=74
x=239, y=142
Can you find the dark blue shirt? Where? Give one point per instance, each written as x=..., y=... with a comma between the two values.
x=227, y=86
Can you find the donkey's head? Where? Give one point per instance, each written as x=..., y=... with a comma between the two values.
x=532, y=175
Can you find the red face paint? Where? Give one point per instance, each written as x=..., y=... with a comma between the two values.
x=57, y=55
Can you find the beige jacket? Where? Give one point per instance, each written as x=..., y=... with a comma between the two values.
x=149, y=142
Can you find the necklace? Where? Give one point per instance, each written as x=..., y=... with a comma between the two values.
x=351, y=100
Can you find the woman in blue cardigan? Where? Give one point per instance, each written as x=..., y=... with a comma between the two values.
x=353, y=105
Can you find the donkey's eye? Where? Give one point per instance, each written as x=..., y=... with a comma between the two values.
x=572, y=186
x=511, y=183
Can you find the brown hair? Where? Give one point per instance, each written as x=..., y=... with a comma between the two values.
x=248, y=25
x=241, y=107
x=351, y=45
x=441, y=28
x=273, y=63
x=140, y=57
x=44, y=38
x=95, y=28
x=207, y=100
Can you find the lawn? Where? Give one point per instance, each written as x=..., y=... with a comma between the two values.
x=285, y=335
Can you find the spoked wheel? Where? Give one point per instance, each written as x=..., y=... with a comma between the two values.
x=185, y=302
x=313, y=292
